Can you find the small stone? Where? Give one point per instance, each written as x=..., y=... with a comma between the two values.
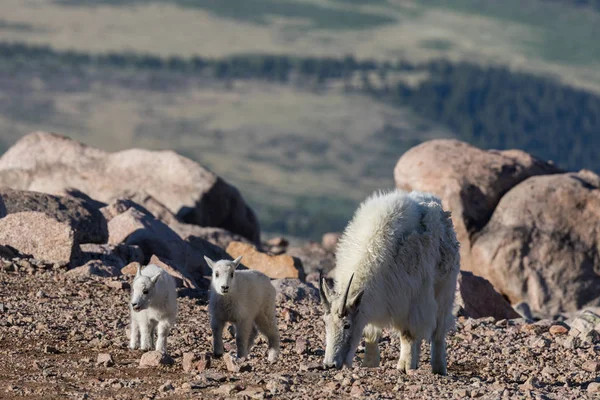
x=530, y=384
x=167, y=387
x=591, y=366
x=357, y=391
x=154, y=359
x=462, y=393
x=119, y=285
x=50, y=350
x=231, y=363
x=40, y=294
x=571, y=342
x=105, y=359
x=215, y=376
x=593, y=387
x=253, y=392
x=339, y=376
x=558, y=330
x=2, y=308
x=227, y=389
x=541, y=343
x=301, y=346
x=188, y=361
x=203, y=363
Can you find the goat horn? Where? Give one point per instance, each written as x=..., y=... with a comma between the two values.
x=346, y=295
x=324, y=298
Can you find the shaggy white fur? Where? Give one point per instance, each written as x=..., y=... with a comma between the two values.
x=153, y=308
x=397, y=265
x=245, y=299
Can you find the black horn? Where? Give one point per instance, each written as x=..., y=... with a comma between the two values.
x=324, y=298
x=346, y=295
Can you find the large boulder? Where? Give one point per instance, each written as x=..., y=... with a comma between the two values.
x=87, y=222
x=314, y=257
x=541, y=245
x=39, y=235
x=477, y=298
x=275, y=267
x=50, y=163
x=469, y=181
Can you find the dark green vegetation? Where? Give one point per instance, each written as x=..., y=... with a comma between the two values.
x=490, y=107
x=256, y=11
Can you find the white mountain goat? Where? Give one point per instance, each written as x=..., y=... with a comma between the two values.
x=245, y=299
x=153, y=308
x=396, y=266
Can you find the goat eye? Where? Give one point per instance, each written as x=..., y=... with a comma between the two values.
x=231, y=275
x=346, y=325
x=145, y=291
x=216, y=275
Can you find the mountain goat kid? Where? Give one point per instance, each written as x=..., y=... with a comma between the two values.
x=153, y=308
x=245, y=299
x=396, y=266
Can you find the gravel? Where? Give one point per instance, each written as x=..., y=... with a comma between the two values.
x=61, y=344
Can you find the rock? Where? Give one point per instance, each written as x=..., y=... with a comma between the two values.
x=50, y=350
x=278, y=242
x=357, y=391
x=583, y=323
x=476, y=298
x=133, y=227
x=105, y=359
x=540, y=246
x=275, y=267
x=188, y=361
x=330, y=240
x=40, y=236
x=216, y=236
x=593, y=387
x=94, y=267
x=591, y=366
x=166, y=387
x=314, y=258
x=203, y=363
x=232, y=364
x=119, y=285
x=51, y=163
x=154, y=359
x=227, y=389
x=131, y=268
x=558, y=330
x=87, y=222
x=301, y=346
x=469, y=181
x=524, y=311
x=113, y=256
x=295, y=290
x=182, y=278
x=252, y=392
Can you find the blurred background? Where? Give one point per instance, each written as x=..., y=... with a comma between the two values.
x=305, y=105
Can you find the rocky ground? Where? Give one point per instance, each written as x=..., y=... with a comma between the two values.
x=56, y=331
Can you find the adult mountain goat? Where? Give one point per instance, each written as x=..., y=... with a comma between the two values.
x=396, y=266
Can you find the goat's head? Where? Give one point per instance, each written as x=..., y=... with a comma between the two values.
x=341, y=329
x=223, y=274
x=143, y=289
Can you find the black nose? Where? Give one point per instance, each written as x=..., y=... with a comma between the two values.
x=225, y=288
x=133, y=304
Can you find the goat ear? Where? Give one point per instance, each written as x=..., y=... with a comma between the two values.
x=210, y=262
x=138, y=272
x=155, y=277
x=354, y=303
x=237, y=261
x=324, y=292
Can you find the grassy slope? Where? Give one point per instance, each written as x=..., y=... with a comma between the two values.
x=284, y=148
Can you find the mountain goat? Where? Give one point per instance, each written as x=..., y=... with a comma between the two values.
x=245, y=299
x=153, y=308
x=396, y=266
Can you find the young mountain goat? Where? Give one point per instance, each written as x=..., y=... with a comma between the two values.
x=153, y=308
x=397, y=265
x=247, y=300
